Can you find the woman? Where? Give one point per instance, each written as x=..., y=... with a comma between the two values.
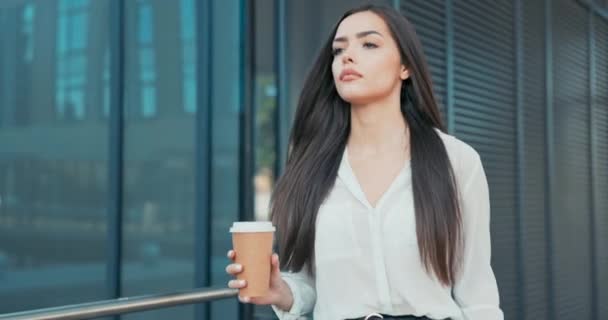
x=380, y=214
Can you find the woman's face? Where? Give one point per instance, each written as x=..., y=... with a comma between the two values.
x=367, y=64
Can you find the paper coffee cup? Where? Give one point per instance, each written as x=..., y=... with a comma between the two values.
x=252, y=242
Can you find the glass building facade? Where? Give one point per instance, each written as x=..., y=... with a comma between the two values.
x=134, y=132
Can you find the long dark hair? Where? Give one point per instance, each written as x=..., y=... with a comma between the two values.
x=316, y=145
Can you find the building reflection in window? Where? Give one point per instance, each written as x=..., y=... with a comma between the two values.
x=29, y=13
x=72, y=59
x=106, y=83
x=147, y=59
x=188, y=54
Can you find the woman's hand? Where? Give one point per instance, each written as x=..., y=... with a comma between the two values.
x=279, y=294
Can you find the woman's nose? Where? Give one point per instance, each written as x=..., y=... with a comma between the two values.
x=347, y=56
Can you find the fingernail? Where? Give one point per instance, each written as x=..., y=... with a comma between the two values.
x=242, y=282
x=239, y=267
x=246, y=299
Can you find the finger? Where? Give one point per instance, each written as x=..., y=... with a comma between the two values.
x=275, y=260
x=244, y=299
x=253, y=300
x=230, y=254
x=237, y=284
x=234, y=268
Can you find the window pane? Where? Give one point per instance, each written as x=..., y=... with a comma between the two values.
x=53, y=175
x=159, y=185
x=54, y=111
x=226, y=104
x=265, y=95
x=265, y=106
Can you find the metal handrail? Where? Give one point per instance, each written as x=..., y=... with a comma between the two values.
x=123, y=305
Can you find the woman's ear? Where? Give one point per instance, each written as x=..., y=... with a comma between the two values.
x=405, y=73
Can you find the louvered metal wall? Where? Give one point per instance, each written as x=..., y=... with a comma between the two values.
x=545, y=225
x=572, y=210
x=534, y=118
x=428, y=17
x=600, y=158
x=484, y=116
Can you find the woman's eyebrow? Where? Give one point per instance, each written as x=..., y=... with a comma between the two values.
x=358, y=35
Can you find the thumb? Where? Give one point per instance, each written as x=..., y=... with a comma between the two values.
x=276, y=269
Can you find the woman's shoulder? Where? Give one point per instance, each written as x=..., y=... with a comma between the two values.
x=464, y=157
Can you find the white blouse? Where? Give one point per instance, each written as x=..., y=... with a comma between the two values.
x=366, y=258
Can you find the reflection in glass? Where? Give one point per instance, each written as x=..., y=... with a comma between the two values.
x=188, y=54
x=147, y=74
x=53, y=177
x=265, y=104
x=29, y=13
x=159, y=171
x=106, y=83
x=265, y=99
x=72, y=59
x=227, y=101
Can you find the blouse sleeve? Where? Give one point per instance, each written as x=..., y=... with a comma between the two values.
x=304, y=295
x=476, y=290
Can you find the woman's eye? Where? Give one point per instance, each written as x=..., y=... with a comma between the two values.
x=336, y=51
x=369, y=45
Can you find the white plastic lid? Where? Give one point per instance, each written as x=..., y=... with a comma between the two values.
x=252, y=226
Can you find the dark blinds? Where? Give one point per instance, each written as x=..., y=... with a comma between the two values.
x=484, y=111
x=428, y=17
x=534, y=118
x=484, y=92
x=571, y=212
x=600, y=134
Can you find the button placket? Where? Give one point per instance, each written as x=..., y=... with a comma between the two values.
x=379, y=262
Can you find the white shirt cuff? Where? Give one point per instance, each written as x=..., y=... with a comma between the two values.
x=295, y=313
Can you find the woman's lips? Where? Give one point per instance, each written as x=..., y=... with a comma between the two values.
x=349, y=75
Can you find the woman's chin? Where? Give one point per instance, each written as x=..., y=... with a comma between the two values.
x=354, y=96
x=357, y=98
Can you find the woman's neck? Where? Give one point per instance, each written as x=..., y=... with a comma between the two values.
x=377, y=128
